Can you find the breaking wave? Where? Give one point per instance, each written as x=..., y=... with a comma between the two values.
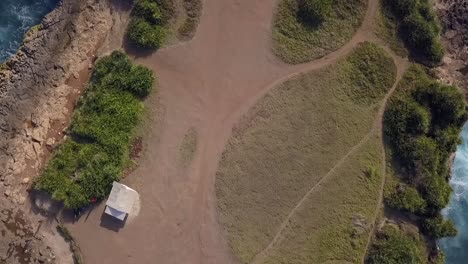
x=456, y=248
x=16, y=18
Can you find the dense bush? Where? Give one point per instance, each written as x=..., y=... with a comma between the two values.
x=438, y=228
x=407, y=199
x=423, y=125
x=402, y=8
x=97, y=149
x=445, y=102
x=436, y=191
x=395, y=247
x=315, y=11
x=146, y=28
x=148, y=10
x=406, y=117
x=419, y=28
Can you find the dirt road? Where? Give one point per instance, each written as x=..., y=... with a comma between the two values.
x=208, y=84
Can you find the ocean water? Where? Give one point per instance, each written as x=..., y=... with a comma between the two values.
x=456, y=248
x=16, y=18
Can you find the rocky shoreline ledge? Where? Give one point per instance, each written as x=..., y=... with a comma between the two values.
x=38, y=89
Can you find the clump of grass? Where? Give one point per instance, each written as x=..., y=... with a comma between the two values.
x=393, y=245
x=296, y=40
x=187, y=147
x=283, y=147
x=368, y=82
x=147, y=26
x=193, y=9
x=97, y=149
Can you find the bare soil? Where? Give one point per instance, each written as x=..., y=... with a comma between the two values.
x=206, y=84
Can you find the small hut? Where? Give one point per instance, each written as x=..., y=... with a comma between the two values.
x=120, y=201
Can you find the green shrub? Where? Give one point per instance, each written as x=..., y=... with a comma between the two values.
x=97, y=150
x=405, y=118
x=394, y=247
x=167, y=8
x=140, y=82
x=407, y=199
x=146, y=35
x=315, y=11
x=148, y=10
x=446, y=102
x=419, y=29
x=436, y=191
x=424, y=153
x=146, y=29
x=438, y=227
x=419, y=34
x=402, y=8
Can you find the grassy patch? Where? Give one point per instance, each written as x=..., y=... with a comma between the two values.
x=387, y=30
x=187, y=147
x=296, y=41
x=147, y=27
x=393, y=245
x=286, y=143
x=97, y=149
x=335, y=221
x=193, y=9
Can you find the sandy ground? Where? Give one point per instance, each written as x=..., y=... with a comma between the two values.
x=207, y=83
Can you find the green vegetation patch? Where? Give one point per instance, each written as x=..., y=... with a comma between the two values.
x=364, y=68
x=423, y=122
x=387, y=30
x=303, y=32
x=395, y=246
x=335, y=221
x=418, y=27
x=187, y=147
x=147, y=25
x=283, y=147
x=96, y=150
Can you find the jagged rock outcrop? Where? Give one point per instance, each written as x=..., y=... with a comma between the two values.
x=454, y=18
x=37, y=88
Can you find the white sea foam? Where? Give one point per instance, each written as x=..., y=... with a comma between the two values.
x=16, y=17
x=457, y=210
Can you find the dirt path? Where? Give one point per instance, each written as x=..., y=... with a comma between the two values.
x=206, y=84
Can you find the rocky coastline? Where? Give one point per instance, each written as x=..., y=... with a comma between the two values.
x=38, y=89
x=453, y=15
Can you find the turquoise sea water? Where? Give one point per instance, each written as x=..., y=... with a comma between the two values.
x=16, y=18
x=456, y=248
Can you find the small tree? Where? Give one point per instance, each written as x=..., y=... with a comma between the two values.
x=315, y=11
x=146, y=35
x=438, y=227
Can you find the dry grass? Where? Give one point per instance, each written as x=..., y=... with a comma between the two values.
x=296, y=42
x=187, y=148
x=282, y=148
x=193, y=10
x=326, y=229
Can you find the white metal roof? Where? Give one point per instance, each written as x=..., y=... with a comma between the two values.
x=121, y=200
